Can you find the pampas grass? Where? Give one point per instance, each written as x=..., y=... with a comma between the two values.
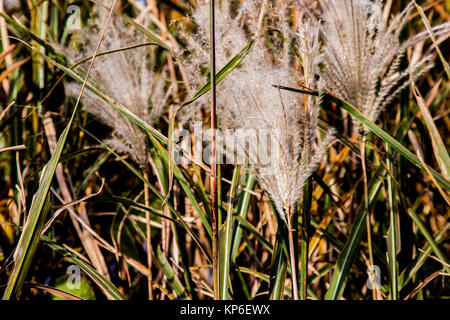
x=292, y=206
x=363, y=52
x=130, y=77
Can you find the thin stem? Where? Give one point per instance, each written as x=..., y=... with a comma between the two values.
x=392, y=236
x=366, y=205
x=307, y=198
x=216, y=271
x=292, y=254
x=306, y=221
x=225, y=261
x=149, y=240
x=278, y=270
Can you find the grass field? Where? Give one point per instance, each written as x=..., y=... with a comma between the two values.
x=282, y=150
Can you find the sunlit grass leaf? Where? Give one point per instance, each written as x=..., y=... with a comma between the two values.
x=30, y=234
x=225, y=238
x=378, y=131
x=433, y=38
x=99, y=279
x=172, y=279
x=440, y=151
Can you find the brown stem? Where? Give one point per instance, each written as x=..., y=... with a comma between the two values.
x=216, y=276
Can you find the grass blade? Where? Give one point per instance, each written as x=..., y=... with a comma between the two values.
x=378, y=131
x=172, y=279
x=393, y=236
x=351, y=247
x=39, y=206
x=27, y=245
x=99, y=279
x=242, y=212
x=429, y=238
x=278, y=272
x=225, y=237
x=440, y=151
x=433, y=38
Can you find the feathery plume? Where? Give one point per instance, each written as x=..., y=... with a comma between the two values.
x=128, y=76
x=270, y=126
x=362, y=53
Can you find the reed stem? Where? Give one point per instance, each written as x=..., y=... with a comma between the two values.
x=366, y=205
x=149, y=240
x=306, y=224
x=292, y=254
x=216, y=264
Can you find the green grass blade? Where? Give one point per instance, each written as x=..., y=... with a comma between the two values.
x=433, y=38
x=242, y=212
x=20, y=28
x=172, y=279
x=390, y=140
x=393, y=236
x=233, y=63
x=139, y=122
x=429, y=238
x=378, y=131
x=149, y=33
x=27, y=244
x=440, y=151
x=184, y=185
x=99, y=279
x=278, y=272
x=250, y=228
x=305, y=227
x=155, y=191
x=412, y=269
x=225, y=238
x=39, y=206
x=351, y=248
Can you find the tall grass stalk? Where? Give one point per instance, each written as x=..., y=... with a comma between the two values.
x=148, y=231
x=293, y=230
x=214, y=200
x=306, y=226
x=367, y=209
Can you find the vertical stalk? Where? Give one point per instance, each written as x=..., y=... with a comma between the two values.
x=307, y=199
x=219, y=195
x=392, y=236
x=306, y=222
x=41, y=26
x=292, y=255
x=227, y=234
x=149, y=240
x=277, y=270
x=242, y=212
x=366, y=205
x=216, y=271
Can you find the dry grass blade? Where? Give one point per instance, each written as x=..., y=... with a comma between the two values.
x=440, y=151
x=13, y=148
x=424, y=283
x=54, y=291
x=433, y=38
